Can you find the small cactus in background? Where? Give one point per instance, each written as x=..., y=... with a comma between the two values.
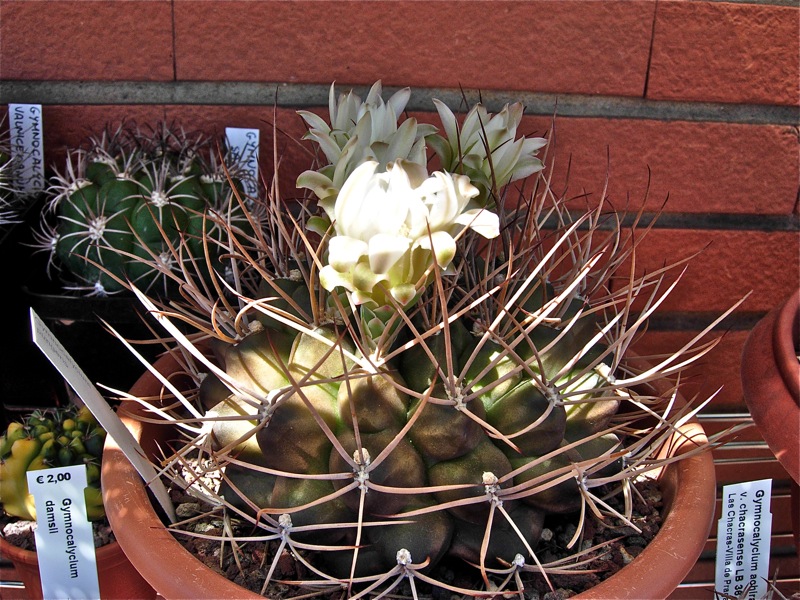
x=9, y=194
x=59, y=437
x=415, y=370
x=137, y=206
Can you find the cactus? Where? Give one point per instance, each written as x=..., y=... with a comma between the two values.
x=59, y=437
x=10, y=209
x=136, y=206
x=360, y=131
x=380, y=404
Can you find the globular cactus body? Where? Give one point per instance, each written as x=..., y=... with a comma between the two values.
x=332, y=421
x=138, y=208
x=56, y=438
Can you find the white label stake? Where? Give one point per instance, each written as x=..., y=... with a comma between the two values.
x=243, y=150
x=27, y=146
x=743, y=539
x=64, y=539
x=108, y=419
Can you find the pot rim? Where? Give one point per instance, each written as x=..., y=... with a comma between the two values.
x=655, y=573
x=786, y=341
x=770, y=377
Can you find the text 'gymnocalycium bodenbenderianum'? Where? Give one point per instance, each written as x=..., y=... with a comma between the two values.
x=415, y=364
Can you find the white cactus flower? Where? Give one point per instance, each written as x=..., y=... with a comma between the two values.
x=390, y=226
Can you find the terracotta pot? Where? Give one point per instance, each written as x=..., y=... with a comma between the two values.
x=688, y=488
x=117, y=577
x=771, y=389
x=771, y=381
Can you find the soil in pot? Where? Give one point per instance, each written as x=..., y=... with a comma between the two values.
x=620, y=544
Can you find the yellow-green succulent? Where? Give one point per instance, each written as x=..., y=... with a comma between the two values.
x=59, y=437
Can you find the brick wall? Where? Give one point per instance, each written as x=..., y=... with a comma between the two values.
x=700, y=98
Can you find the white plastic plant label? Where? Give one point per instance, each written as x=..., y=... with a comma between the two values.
x=64, y=539
x=743, y=540
x=108, y=419
x=243, y=150
x=27, y=147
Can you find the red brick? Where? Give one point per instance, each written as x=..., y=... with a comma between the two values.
x=725, y=52
x=730, y=264
x=701, y=167
x=720, y=368
x=74, y=39
x=578, y=47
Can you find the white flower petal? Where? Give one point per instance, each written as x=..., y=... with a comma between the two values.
x=364, y=278
x=314, y=121
x=344, y=252
x=374, y=94
x=399, y=100
x=439, y=195
x=385, y=251
x=481, y=221
x=414, y=171
x=316, y=182
x=442, y=245
x=448, y=120
x=404, y=293
x=330, y=278
x=352, y=194
x=465, y=188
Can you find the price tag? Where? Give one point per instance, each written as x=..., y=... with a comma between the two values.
x=243, y=149
x=743, y=540
x=64, y=540
x=27, y=147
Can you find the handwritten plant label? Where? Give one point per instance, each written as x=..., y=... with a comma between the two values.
x=64, y=539
x=27, y=147
x=108, y=419
x=743, y=539
x=243, y=150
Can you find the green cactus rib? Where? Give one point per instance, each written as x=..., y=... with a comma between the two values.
x=60, y=437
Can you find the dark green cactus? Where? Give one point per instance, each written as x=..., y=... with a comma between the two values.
x=59, y=437
x=447, y=447
x=138, y=207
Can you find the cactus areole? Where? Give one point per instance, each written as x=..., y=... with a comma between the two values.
x=421, y=369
